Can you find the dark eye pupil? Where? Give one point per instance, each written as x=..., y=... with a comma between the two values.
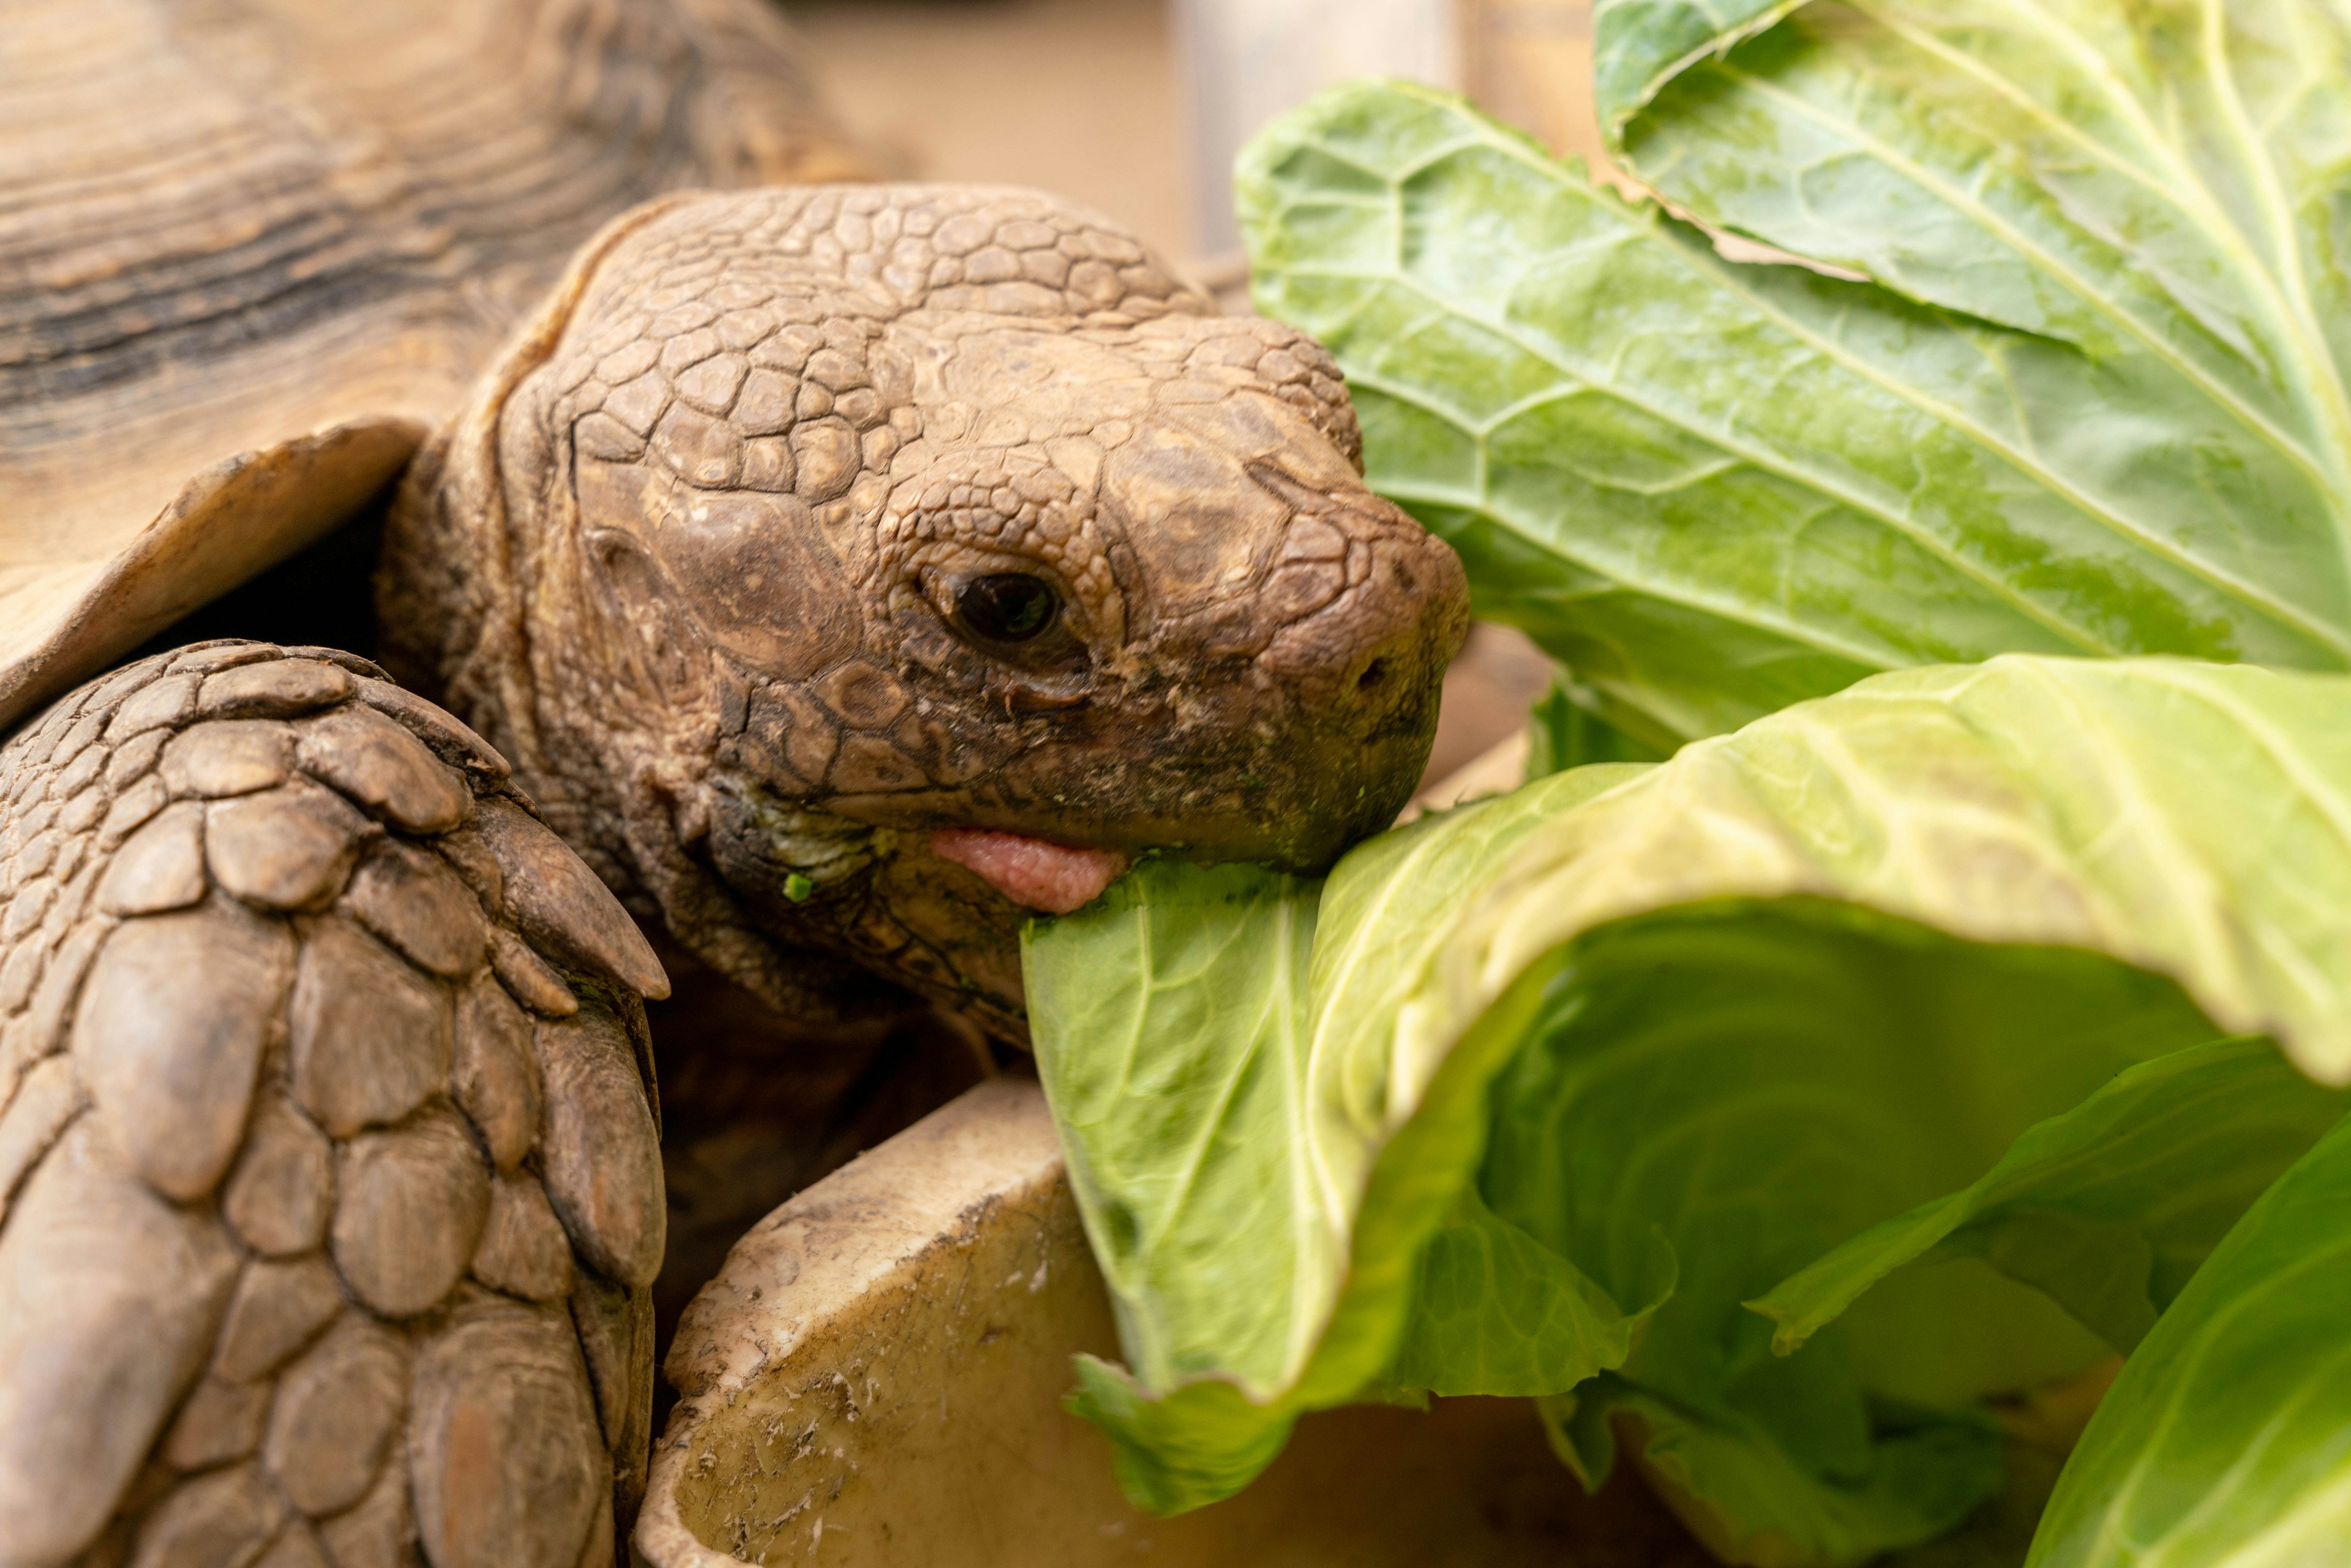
x=1007, y=606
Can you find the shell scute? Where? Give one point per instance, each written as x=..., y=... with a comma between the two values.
x=289, y=848
x=337, y=1412
x=166, y=703
x=412, y=899
x=524, y=1251
x=600, y=1151
x=444, y=735
x=379, y=764
x=227, y=756
x=280, y=1306
x=410, y=1205
x=281, y=688
x=537, y=1416
x=170, y=1038
x=283, y=1187
x=495, y=1074
x=108, y=1298
x=221, y=654
x=139, y=800
x=370, y=1038
x=222, y=1516
x=161, y=867
x=219, y=1422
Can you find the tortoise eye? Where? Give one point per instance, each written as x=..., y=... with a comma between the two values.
x=1007, y=606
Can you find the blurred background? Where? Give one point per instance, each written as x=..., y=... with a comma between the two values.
x=1138, y=107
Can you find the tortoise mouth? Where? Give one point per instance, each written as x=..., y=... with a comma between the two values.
x=1036, y=873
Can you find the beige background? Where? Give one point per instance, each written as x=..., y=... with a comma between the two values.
x=1136, y=105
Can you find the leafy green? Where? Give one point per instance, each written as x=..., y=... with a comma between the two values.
x=1568, y=1078
x=2228, y=1438
x=1714, y=489
x=1206, y=1102
x=2068, y=1208
x=2148, y=184
x=1762, y=1110
x=1565, y=730
x=1753, y=1083
x=1196, y=1055
x=1753, y=1502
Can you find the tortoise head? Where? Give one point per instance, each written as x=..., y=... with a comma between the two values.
x=847, y=568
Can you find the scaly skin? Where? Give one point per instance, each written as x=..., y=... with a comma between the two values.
x=692, y=559
x=329, y=1188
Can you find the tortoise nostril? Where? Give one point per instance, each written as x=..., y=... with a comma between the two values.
x=1375, y=676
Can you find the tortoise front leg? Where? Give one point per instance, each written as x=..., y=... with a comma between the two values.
x=329, y=1180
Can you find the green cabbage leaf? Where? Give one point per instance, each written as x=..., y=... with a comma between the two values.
x=1760, y=1111
x=2065, y=375
x=1764, y=1110
x=2228, y=1438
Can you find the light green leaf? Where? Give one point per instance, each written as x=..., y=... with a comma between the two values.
x=1654, y=1040
x=1565, y=729
x=1639, y=46
x=1173, y=1037
x=2109, y=1208
x=2227, y=1440
x=1714, y=489
x=1495, y=1311
x=2151, y=183
x=1750, y=1504
x=2190, y=820
x=1195, y=1053
x=1757, y=1081
x=2145, y=194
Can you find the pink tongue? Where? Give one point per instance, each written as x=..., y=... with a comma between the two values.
x=1054, y=878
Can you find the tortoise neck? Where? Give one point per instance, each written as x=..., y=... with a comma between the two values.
x=450, y=628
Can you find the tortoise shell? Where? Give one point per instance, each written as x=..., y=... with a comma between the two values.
x=252, y=251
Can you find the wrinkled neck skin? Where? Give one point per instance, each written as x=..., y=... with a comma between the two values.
x=700, y=559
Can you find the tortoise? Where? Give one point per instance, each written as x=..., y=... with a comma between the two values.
x=813, y=582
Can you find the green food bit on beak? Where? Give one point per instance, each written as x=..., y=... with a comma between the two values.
x=797, y=888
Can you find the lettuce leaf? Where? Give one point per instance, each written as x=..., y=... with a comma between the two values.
x=1537, y=1096
x=1564, y=730
x=2228, y=1436
x=1796, y=1092
x=2083, y=396
x=2070, y=1207
x=2149, y=184
x=1754, y=1502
